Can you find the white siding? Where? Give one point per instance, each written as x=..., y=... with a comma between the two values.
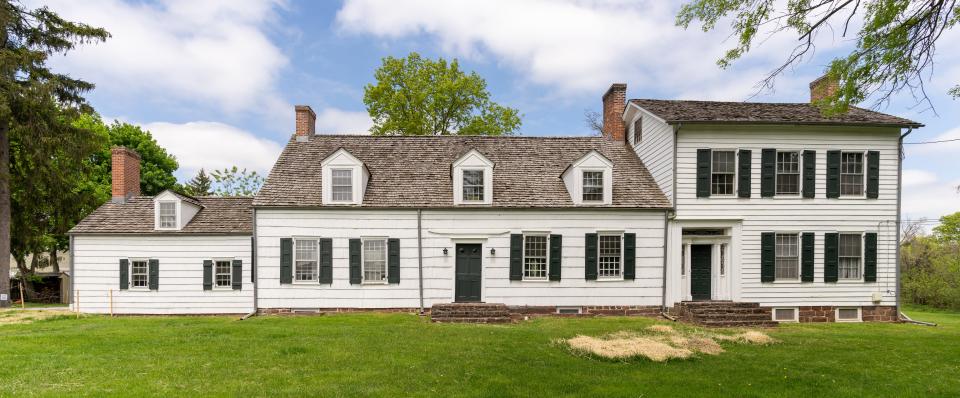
x=655, y=149
x=97, y=272
x=443, y=229
x=782, y=214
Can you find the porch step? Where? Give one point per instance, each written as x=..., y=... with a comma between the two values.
x=470, y=313
x=724, y=314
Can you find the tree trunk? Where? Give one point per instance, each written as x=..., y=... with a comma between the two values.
x=4, y=215
x=54, y=262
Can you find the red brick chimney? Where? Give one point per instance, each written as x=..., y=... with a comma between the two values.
x=823, y=87
x=125, y=174
x=306, y=122
x=614, y=103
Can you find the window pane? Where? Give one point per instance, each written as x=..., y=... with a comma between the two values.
x=473, y=185
x=851, y=174
x=535, y=257
x=609, y=256
x=592, y=185
x=222, y=273
x=342, y=184
x=138, y=274
x=849, y=267
x=168, y=215
x=787, y=256
x=375, y=260
x=638, y=131
x=723, y=171
x=306, y=260
x=788, y=173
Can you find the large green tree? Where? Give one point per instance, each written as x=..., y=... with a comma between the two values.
x=949, y=228
x=419, y=96
x=34, y=100
x=895, y=40
x=234, y=181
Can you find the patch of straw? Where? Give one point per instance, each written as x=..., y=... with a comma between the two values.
x=661, y=343
x=661, y=329
x=12, y=317
x=628, y=348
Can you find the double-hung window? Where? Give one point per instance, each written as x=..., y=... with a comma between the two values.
x=851, y=173
x=341, y=185
x=722, y=172
x=787, y=256
x=788, y=173
x=138, y=274
x=535, y=257
x=850, y=254
x=473, y=185
x=306, y=260
x=222, y=274
x=167, y=214
x=610, y=256
x=374, y=260
x=592, y=186
x=638, y=131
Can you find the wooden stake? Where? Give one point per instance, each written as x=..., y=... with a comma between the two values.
x=23, y=296
x=77, y=304
x=111, y=302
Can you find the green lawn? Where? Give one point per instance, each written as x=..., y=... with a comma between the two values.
x=403, y=355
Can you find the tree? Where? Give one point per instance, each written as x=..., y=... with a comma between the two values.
x=894, y=49
x=417, y=96
x=594, y=121
x=235, y=182
x=949, y=228
x=200, y=185
x=33, y=99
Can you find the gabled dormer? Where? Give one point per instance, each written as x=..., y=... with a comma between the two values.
x=472, y=179
x=172, y=211
x=589, y=180
x=344, y=179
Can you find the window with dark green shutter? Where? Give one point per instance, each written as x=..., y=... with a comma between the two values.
x=703, y=173
x=768, y=172
x=237, y=274
x=124, y=274
x=807, y=257
x=393, y=260
x=870, y=257
x=809, y=174
x=831, y=256
x=516, y=257
x=833, y=174
x=767, y=257
x=326, y=261
x=354, y=261
x=873, y=174
x=556, y=256
x=590, y=257
x=745, y=169
x=154, y=274
x=286, y=260
x=629, y=256
x=207, y=274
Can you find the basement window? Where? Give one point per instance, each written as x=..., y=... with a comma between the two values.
x=850, y=314
x=785, y=314
x=569, y=310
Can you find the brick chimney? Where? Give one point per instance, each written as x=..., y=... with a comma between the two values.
x=823, y=87
x=306, y=122
x=614, y=103
x=125, y=174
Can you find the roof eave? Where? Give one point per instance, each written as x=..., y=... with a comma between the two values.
x=782, y=123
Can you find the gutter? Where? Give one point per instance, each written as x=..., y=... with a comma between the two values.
x=420, y=256
x=666, y=220
x=73, y=274
x=900, y=156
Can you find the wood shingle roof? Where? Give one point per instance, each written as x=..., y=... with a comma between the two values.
x=681, y=111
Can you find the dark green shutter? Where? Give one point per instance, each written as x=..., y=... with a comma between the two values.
x=207, y=275
x=831, y=256
x=253, y=260
x=153, y=274
x=556, y=256
x=806, y=257
x=809, y=174
x=393, y=260
x=833, y=174
x=629, y=256
x=326, y=261
x=703, y=173
x=516, y=257
x=355, y=277
x=237, y=281
x=124, y=274
x=590, y=257
x=286, y=260
x=873, y=174
x=768, y=259
x=870, y=257
x=745, y=162
x=768, y=172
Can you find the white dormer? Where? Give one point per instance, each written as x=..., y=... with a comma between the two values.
x=172, y=212
x=473, y=179
x=590, y=180
x=344, y=179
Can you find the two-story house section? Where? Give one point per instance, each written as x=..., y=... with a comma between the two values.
x=774, y=203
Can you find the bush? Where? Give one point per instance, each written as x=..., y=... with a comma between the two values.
x=931, y=272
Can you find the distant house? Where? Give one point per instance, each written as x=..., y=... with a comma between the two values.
x=771, y=205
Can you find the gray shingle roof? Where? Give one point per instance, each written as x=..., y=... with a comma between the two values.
x=219, y=215
x=676, y=111
x=416, y=171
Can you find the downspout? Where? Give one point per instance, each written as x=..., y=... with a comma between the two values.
x=73, y=274
x=666, y=222
x=253, y=266
x=900, y=156
x=420, y=257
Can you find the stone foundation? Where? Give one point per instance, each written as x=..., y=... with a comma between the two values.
x=322, y=311
x=516, y=311
x=873, y=313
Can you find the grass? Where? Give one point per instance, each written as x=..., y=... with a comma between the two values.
x=403, y=355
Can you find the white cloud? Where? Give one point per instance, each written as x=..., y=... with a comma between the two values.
x=915, y=177
x=931, y=200
x=207, y=52
x=337, y=121
x=951, y=147
x=213, y=145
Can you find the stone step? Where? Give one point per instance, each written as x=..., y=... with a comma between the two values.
x=729, y=311
x=724, y=317
x=731, y=324
x=472, y=319
x=470, y=313
x=722, y=304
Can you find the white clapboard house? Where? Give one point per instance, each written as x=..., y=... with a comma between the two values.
x=770, y=210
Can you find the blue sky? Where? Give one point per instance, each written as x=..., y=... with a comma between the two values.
x=216, y=81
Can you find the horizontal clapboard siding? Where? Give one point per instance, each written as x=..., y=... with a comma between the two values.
x=795, y=214
x=656, y=150
x=180, y=290
x=440, y=229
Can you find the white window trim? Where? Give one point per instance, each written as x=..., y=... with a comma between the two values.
x=479, y=162
x=363, y=260
x=863, y=190
x=736, y=171
x=610, y=278
x=316, y=241
x=130, y=274
x=799, y=277
x=523, y=258
x=862, y=257
x=776, y=174
x=474, y=201
x=836, y=314
x=603, y=188
x=230, y=285
x=343, y=160
x=176, y=217
x=796, y=314
x=353, y=182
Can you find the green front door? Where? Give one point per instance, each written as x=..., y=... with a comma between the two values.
x=468, y=273
x=700, y=271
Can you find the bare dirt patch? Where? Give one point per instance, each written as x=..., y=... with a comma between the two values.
x=13, y=317
x=660, y=343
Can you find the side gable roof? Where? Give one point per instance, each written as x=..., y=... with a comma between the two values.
x=680, y=111
x=218, y=215
x=414, y=172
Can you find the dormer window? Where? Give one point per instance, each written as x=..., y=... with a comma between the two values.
x=593, y=186
x=172, y=211
x=342, y=185
x=344, y=179
x=167, y=214
x=589, y=180
x=473, y=185
x=472, y=179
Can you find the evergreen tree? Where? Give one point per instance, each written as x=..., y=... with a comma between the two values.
x=200, y=184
